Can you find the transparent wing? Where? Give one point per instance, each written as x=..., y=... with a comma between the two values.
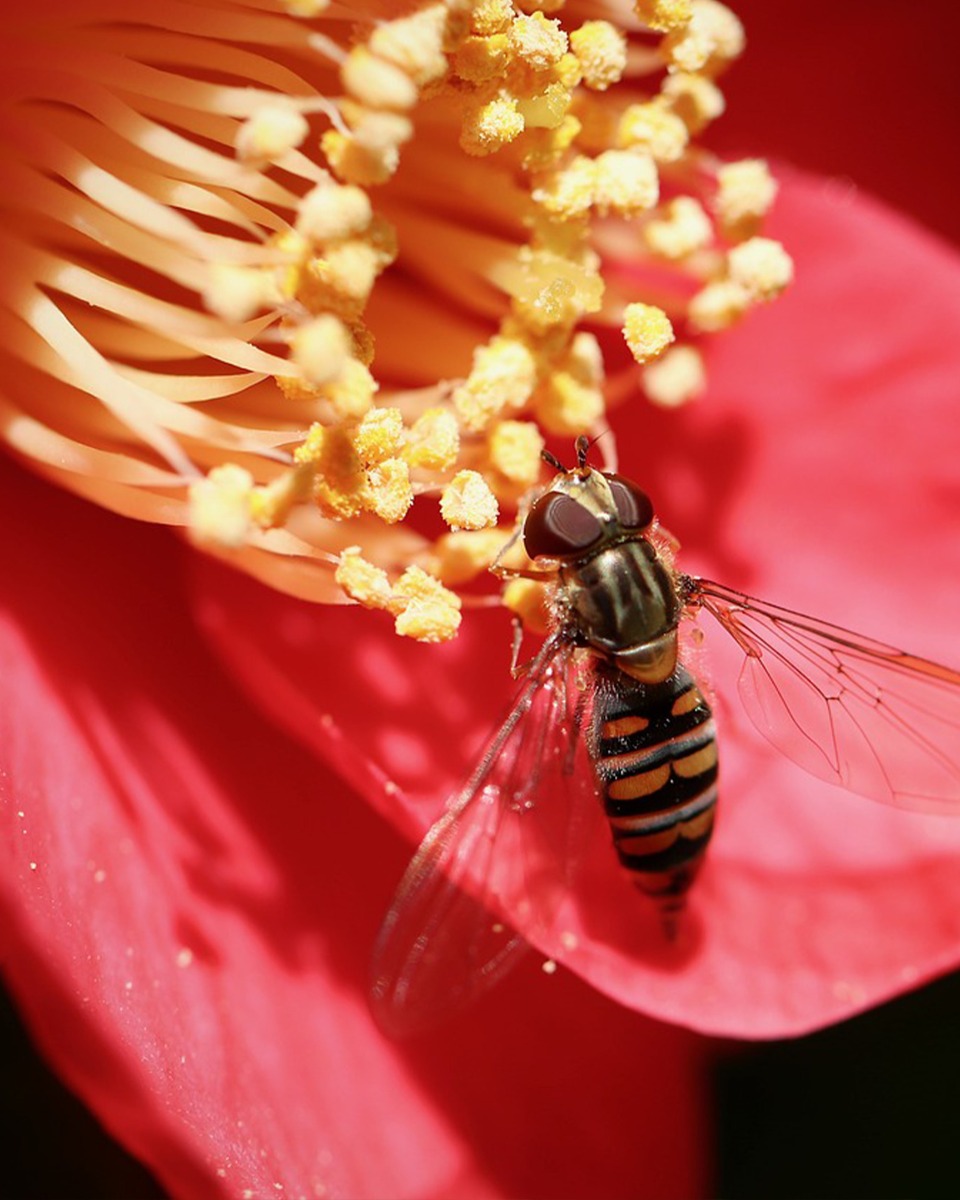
x=848, y=709
x=508, y=843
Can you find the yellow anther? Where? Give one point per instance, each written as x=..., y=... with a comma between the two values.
x=382, y=236
x=745, y=192
x=598, y=119
x=647, y=331
x=388, y=492
x=654, y=128
x=682, y=229
x=626, y=182
x=717, y=306
x=429, y=612
x=543, y=147
x=489, y=126
x=480, y=59
x=294, y=252
x=414, y=44
x=345, y=398
x=311, y=449
x=363, y=343
x=566, y=406
x=349, y=269
x=375, y=131
x=377, y=83
x=461, y=557
x=570, y=401
x=551, y=288
x=568, y=191
x=695, y=99
x=547, y=110
x=676, y=377
x=663, y=15
x=369, y=585
x=491, y=16
x=379, y=435
x=468, y=503
x=331, y=211
x=219, y=507
x=423, y=608
x=530, y=601
x=762, y=266
x=272, y=503
x=503, y=377
x=514, y=451
x=271, y=132
x=354, y=162
x=567, y=71
x=433, y=441
x=237, y=293
x=584, y=358
x=340, y=483
x=601, y=50
x=351, y=394
x=321, y=348
x=713, y=38
x=537, y=41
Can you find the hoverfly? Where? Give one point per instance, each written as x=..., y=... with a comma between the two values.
x=607, y=709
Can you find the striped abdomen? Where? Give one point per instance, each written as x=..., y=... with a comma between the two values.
x=655, y=756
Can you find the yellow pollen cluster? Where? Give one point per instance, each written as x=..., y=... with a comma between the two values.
x=359, y=468
x=681, y=229
x=468, y=503
x=503, y=377
x=412, y=238
x=754, y=272
x=601, y=50
x=655, y=128
x=433, y=441
x=270, y=133
x=461, y=557
x=664, y=15
x=422, y=607
x=514, y=449
x=220, y=507
x=707, y=42
x=676, y=377
x=530, y=601
x=745, y=192
x=647, y=331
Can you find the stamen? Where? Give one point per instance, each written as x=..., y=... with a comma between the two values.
x=204, y=321
x=647, y=331
x=468, y=503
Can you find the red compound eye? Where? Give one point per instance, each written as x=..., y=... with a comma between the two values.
x=634, y=509
x=558, y=526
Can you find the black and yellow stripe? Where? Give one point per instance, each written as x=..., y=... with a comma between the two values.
x=655, y=755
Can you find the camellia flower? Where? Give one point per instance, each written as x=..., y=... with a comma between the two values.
x=188, y=898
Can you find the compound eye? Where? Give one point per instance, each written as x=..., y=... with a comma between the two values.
x=558, y=527
x=634, y=509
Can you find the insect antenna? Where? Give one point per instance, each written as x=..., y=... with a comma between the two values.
x=552, y=461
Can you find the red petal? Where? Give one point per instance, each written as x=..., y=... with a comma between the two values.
x=819, y=472
x=188, y=901
x=812, y=92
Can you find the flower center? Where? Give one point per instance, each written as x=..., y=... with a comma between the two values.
x=314, y=282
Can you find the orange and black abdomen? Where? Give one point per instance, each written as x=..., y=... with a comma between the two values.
x=655, y=755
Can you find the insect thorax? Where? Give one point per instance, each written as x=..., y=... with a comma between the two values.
x=621, y=602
